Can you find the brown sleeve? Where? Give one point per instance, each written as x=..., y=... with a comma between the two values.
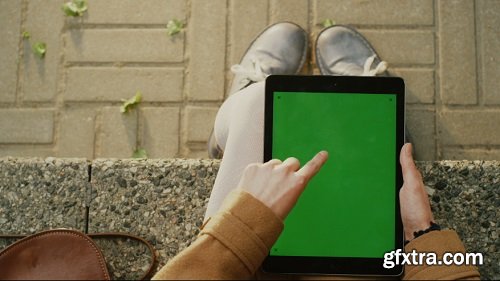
x=232, y=245
x=439, y=242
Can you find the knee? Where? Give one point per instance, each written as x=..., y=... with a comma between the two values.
x=253, y=95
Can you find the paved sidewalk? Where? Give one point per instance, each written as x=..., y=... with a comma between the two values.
x=67, y=105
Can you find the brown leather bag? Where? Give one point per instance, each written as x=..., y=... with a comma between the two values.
x=58, y=254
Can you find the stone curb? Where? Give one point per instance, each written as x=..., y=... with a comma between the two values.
x=164, y=200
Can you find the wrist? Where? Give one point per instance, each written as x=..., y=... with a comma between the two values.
x=432, y=227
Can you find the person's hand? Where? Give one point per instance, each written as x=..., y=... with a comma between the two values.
x=415, y=207
x=277, y=184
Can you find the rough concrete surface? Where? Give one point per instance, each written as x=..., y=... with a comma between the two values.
x=38, y=194
x=446, y=50
x=164, y=202
x=465, y=196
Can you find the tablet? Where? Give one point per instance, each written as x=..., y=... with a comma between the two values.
x=348, y=216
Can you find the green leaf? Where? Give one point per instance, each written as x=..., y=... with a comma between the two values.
x=327, y=23
x=140, y=153
x=70, y=9
x=39, y=49
x=174, y=26
x=26, y=35
x=81, y=4
x=75, y=8
x=128, y=104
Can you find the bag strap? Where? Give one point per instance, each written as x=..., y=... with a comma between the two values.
x=111, y=235
x=133, y=237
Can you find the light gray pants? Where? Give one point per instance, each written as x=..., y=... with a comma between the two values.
x=239, y=131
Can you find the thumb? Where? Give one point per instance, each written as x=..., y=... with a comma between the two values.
x=410, y=171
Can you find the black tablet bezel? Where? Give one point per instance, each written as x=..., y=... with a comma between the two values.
x=337, y=84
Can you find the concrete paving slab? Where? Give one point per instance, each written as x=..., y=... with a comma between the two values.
x=447, y=51
x=26, y=125
x=117, y=135
x=406, y=47
x=117, y=83
x=420, y=84
x=421, y=127
x=10, y=21
x=469, y=127
x=78, y=142
x=200, y=122
x=40, y=79
x=159, y=129
x=26, y=150
x=122, y=45
x=385, y=12
x=207, y=50
x=296, y=11
x=248, y=19
x=134, y=12
x=458, y=153
x=457, y=52
x=489, y=28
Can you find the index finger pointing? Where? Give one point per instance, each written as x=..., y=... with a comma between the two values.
x=314, y=165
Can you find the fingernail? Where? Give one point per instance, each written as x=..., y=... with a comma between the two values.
x=408, y=149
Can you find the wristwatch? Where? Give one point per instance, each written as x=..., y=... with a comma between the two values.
x=434, y=226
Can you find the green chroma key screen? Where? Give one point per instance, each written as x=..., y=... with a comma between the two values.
x=348, y=208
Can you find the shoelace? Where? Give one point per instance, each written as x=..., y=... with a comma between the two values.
x=254, y=73
x=379, y=69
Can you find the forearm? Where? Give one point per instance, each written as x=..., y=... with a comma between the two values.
x=232, y=245
x=206, y=258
